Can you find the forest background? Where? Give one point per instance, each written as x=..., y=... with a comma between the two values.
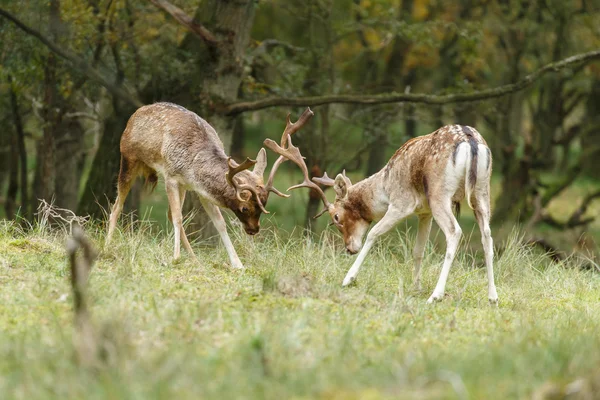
x=525, y=73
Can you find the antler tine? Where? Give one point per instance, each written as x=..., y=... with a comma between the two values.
x=234, y=169
x=290, y=129
x=239, y=188
x=292, y=153
x=324, y=180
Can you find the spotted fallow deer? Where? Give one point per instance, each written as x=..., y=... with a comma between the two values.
x=426, y=176
x=167, y=139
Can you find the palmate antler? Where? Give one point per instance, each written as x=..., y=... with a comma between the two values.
x=240, y=187
x=290, y=129
x=292, y=153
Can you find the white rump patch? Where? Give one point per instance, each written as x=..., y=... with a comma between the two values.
x=454, y=175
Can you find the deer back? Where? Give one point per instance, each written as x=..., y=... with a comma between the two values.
x=437, y=161
x=172, y=140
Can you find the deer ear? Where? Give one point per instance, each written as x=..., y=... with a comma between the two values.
x=348, y=182
x=261, y=163
x=341, y=186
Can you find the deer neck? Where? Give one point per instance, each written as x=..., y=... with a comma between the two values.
x=211, y=181
x=368, y=197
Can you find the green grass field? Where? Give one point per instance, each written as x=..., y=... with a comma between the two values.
x=285, y=328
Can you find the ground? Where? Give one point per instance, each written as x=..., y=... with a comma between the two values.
x=285, y=328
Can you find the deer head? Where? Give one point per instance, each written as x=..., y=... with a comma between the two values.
x=250, y=190
x=347, y=214
x=250, y=193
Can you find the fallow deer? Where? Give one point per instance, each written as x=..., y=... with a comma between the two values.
x=168, y=139
x=426, y=176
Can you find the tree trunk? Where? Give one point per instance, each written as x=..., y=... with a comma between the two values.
x=392, y=79
x=221, y=70
x=18, y=123
x=69, y=155
x=13, y=177
x=101, y=186
x=592, y=117
x=45, y=171
x=237, y=141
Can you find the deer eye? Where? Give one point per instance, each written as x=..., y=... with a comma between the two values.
x=336, y=218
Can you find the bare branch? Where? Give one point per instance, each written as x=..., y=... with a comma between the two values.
x=186, y=21
x=77, y=62
x=268, y=44
x=395, y=97
x=575, y=218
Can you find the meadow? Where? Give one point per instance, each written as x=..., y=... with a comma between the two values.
x=285, y=328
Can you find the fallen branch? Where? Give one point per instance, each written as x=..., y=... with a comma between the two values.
x=47, y=213
x=395, y=97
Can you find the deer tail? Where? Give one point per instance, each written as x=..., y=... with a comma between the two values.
x=471, y=170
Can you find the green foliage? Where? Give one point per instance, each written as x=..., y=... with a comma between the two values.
x=314, y=47
x=284, y=327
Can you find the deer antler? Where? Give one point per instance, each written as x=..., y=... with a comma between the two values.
x=324, y=180
x=292, y=153
x=239, y=188
x=290, y=129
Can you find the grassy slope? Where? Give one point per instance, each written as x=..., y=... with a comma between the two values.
x=285, y=328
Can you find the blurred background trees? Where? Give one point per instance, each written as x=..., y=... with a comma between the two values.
x=64, y=105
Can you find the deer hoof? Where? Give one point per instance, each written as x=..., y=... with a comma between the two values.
x=435, y=297
x=348, y=281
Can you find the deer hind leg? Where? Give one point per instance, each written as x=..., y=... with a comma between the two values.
x=391, y=218
x=482, y=214
x=217, y=219
x=175, y=213
x=127, y=174
x=419, y=250
x=442, y=212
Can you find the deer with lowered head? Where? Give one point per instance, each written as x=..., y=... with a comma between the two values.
x=427, y=176
x=167, y=139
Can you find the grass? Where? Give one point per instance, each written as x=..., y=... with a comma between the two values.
x=284, y=327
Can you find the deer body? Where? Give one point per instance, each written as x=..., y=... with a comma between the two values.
x=427, y=176
x=167, y=139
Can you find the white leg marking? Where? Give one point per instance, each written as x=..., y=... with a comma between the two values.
x=389, y=220
x=446, y=221
x=175, y=207
x=482, y=215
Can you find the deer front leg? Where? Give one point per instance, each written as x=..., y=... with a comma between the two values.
x=389, y=220
x=217, y=218
x=175, y=210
